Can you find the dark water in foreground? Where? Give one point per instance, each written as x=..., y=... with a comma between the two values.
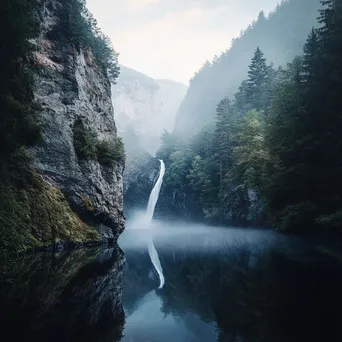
x=220, y=285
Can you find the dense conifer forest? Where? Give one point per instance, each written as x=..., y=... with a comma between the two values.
x=280, y=36
x=273, y=154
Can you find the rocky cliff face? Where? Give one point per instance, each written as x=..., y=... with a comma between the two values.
x=70, y=86
x=146, y=105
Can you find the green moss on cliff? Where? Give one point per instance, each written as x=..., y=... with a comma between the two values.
x=89, y=147
x=33, y=213
x=110, y=152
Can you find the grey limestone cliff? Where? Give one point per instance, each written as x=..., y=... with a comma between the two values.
x=71, y=86
x=146, y=105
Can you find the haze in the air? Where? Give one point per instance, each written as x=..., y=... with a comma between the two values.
x=172, y=39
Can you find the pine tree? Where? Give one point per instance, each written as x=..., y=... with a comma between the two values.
x=250, y=154
x=310, y=59
x=241, y=105
x=257, y=80
x=78, y=26
x=327, y=108
x=305, y=132
x=223, y=136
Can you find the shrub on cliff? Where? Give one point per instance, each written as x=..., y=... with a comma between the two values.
x=110, y=152
x=84, y=141
x=88, y=147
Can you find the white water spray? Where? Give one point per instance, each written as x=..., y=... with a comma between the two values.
x=155, y=193
x=149, y=215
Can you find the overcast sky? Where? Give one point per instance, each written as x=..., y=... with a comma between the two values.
x=173, y=38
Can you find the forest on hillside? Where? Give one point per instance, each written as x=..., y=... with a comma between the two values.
x=273, y=154
x=280, y=36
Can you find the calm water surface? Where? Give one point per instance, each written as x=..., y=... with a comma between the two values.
x=220, y=285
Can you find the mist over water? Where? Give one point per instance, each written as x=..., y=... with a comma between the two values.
x=256, y=284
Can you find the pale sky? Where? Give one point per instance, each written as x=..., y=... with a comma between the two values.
x=173, y=38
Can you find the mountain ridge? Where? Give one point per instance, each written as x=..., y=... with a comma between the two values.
x=281, y=36
x=145, y=105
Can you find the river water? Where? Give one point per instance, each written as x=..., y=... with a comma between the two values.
x=220, y=285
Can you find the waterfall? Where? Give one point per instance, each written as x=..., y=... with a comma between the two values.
x=149, y=214
x=155, y=193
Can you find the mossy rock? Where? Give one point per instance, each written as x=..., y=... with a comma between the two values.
x=33, y=213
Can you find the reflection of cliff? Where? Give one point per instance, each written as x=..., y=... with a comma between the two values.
x=148, y=106
x=69, y=297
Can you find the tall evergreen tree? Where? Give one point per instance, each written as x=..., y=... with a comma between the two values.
x=305, y=133
x=293, y=155
x=257, y=80
x=241, y=105
x=310, y=59
x=329, y=109
x=223, y=136
x=78, y=26
x=250, y=154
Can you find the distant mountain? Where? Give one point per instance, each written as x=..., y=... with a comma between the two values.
x=280, y=36
x=146, y=106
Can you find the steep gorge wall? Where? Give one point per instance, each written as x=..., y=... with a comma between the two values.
x=146, y=106
x=70, y=86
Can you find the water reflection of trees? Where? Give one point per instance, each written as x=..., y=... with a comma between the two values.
x=229, y=288
x=269, y=290
x=139, y=279
x=254, y=295
x=67, y=297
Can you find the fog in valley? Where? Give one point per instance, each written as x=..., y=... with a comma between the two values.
x=171, y=170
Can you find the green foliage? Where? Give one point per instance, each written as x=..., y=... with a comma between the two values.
x=277, y=146
x=110, y=152
x=33, y=213
x=223, y=136
x=304, y=132
x=88, y=147
x=78, y=26
x=331, y=221
x=280, y=36
x=84, y=141
x=215, y=170
x=250, y=155
x=18, y=122
x=296, y=218
x=257, y=80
